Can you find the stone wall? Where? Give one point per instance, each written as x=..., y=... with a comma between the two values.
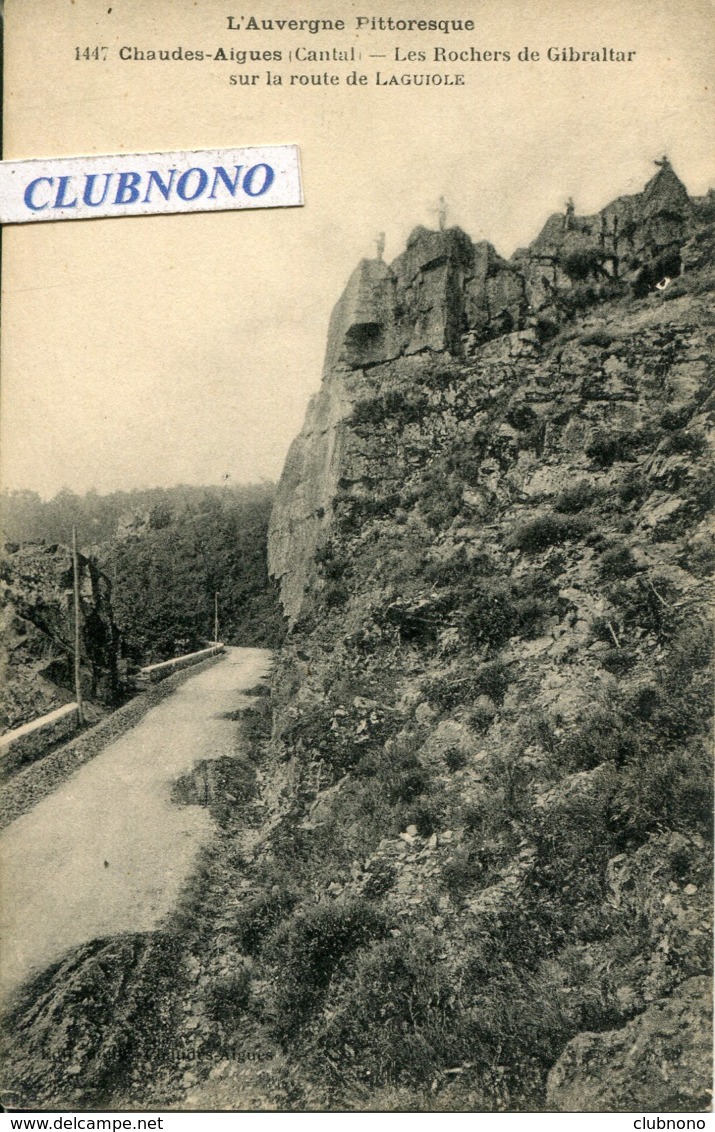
x=155, y=673
x=34, y=782
x=29, y=742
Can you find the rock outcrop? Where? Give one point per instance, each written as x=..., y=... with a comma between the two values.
x=36, y=600
x=659, y=1062
x=445, y=294
x=493, y=546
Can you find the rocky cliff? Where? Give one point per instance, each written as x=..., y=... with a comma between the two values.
x=445, y=294
x=36, y=605
x=492, y=542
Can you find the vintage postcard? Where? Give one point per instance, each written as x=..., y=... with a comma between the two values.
x=357, y=489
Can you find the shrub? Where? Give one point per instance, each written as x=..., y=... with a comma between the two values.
x=462, y=873
x=605, y=448
x=455, y=758
x=605, y=737
x=618, y=661
x=426, y=813
x=441, y=499
x=547, y=530
x=677, y=418
x=521, y=416
x=405, y=785
x=599, y=338
x=492, y=679
x=228, y=997
x=680, y=441
x=395, y=1007
x=633, y=487
x=482, y=715
x=380, y=879
x=393, y=405
x=335, y=594
x=583, y=263
x=490, y=616
x=669, y=787
x=647, y=602
x=576, y=498
x=546, y=328
x=617, y=562
x=257, y=722
x=257, y=918
x=701, y=493
x=459, y=687
x=307, y=949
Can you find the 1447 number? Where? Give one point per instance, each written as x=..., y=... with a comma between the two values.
x=90, y=53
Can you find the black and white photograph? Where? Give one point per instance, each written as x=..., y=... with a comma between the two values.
x=357, y=420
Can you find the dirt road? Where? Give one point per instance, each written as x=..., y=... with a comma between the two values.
x=108, y=851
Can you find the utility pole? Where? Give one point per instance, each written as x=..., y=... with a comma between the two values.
x=215, y=618
x=75, y=578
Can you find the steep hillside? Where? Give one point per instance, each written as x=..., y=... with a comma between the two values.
x=494, y=550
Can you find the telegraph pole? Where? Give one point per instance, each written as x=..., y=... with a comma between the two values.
x=215, y=618
x=75, y=578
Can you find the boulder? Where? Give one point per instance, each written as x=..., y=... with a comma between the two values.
x=659, y=1062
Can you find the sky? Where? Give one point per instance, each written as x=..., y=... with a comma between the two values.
x=154, y=350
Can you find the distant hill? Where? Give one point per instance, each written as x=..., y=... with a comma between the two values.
x=167, y=552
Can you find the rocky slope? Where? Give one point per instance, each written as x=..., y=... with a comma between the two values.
x=467, y=864
x=36, y=606
x=492, y=542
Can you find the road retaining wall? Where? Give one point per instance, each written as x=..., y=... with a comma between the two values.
x=32, y=783
x=31, y=741
x=155, y=673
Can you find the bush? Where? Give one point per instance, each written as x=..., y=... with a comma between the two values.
x=667, y=787
x=617, y=562
x=462, y=874
x=257, y=722
x=490, y=616
x=599, y=338
x=227, y=998
x=605, y=737
x=701, y=494
x=583, y=263
x=392, y=405
x=335, y=595
x=618, y=661
x=492, y=679
x=308, y=949
x=455, y=758
x=605, y=448
x=576, y=498
x=441, y=499
x=677, y=418
x=391, y=1018
x=547, y=530
x=682, y=442
x=459, y=687
x=481, y=717
x=257, y=918
x=633, y=487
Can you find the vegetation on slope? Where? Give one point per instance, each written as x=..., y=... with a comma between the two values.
x=494, y=713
